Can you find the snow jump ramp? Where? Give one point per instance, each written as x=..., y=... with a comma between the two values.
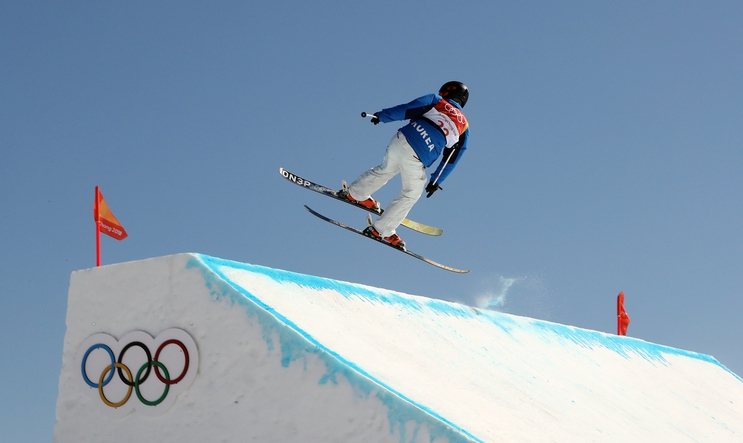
x=191, y=348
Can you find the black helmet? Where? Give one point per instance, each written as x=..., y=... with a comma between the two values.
x=456, y=91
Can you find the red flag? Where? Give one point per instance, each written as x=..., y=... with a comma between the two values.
x=109, y=224
x=622, y=317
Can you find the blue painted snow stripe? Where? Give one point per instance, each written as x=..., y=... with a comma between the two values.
x=624, y=346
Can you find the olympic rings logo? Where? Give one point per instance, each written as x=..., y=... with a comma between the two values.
x=152, y=378
x=451, y=110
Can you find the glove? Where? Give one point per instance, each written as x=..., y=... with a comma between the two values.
x=431, y=188
x=375, y=119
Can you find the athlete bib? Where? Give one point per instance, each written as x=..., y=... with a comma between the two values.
x=450, y=119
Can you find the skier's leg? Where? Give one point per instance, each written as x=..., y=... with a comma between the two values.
x=413, y=175
x=373, y=179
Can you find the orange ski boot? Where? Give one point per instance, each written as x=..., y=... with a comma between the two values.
x=393, y=239
x=369, y=203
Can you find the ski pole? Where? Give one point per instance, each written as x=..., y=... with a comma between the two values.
x=442, y=168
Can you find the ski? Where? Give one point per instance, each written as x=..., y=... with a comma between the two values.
x=405, y=251
x=304, y=183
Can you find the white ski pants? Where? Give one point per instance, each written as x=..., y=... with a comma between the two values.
x=400, y=158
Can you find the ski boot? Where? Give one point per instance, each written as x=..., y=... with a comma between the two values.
x=393, y=239
x=369, y=203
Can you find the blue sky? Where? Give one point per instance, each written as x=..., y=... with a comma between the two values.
x=605, y=156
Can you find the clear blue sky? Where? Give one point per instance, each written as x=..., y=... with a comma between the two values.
x=605, y=156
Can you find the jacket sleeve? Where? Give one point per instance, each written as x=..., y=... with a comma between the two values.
x=406, y=111
x=450, y=158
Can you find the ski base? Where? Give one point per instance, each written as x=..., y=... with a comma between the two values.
x=304, y=183
x=404, y=251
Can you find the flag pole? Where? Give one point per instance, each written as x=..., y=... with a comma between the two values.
x=96, y=214
x=98, y=243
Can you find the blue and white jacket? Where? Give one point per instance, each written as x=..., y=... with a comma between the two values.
x=436, y=126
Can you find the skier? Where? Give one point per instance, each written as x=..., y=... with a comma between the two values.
x=437, y=125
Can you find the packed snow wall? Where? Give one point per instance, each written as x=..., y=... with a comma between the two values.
x=194, y=348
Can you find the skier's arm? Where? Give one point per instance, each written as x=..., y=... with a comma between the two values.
x=449, y=159
x=406, y=111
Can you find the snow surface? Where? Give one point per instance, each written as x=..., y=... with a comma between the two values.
x=288, y=357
